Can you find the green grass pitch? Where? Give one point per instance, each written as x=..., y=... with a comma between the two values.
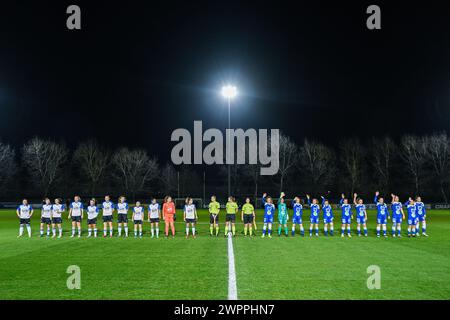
x=277, y=268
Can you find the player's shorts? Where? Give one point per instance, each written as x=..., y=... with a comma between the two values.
x=108, y=218
x=346, y=220
x=412, y=222
x=381, y=220
x=230, y=217
x=314, y=220
x=248, y=218
x=328, y=220
x=191, y=220
x=396, y=220
x=57, y=220
x=153, y=220
x=282, y=219
x=122, y=218
x=137, y=221
x=76, y=218
x=46, y=220
x=92, y=221
x=211, y=218
x=297, y=220
x=25, y=221
x=421, y=218
x=360, y=220
x=268, y=219
x=169, y=218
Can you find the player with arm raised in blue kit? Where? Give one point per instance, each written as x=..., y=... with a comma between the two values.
x=328, y=216
x=361, y=214
x=382, y=214
x=397, y=215
x=421, y=217
x=314, y=216
x=297, y=216
x=347, y=216
x=412, y=217
x=269, y=211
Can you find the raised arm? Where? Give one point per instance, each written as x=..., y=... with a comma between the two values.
x=308, y=198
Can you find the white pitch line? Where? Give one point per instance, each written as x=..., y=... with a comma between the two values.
x=232, y=288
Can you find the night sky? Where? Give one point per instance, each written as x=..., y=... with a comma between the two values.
x=138, y=70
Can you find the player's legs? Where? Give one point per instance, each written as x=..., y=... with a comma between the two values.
x=74, y=224
x=424, y=228
x=384, y=229
x=187, y=230
x=140, y=230
x=233, y=228
x=365, y=229
x=41, y=229
x=264, y=230
x=20, y=230
x=53, y=230
x=358, y=229
x=119, y=229
x=79, y=228
x=125, y=227
x=399, y=229
x=90, y=227
x=157, y=229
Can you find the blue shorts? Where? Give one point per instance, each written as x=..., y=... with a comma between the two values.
x=346, y=220
x=396, y=220
x=412, y=222
x=268, y=219
x=46, y=220
x=76, y=219
x=57, y=220
x=25, y=221
x=297, y=220
x=314, y=220
x=381, y=220
x=360, y=220
x=327, y=219
x=421, y=218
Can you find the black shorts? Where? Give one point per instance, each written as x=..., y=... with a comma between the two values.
x=211, y=218
x=122, y=218
x=248, y=218
x=76, y=219
x=57, y=220
x=46, y=220
x=24, y=221
x=230, y=217
x=92, y=221
x=137, y=221
x=107, y=218
x=191, y=220
x=153, y=220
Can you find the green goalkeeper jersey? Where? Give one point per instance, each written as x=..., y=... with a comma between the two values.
x=214, y=207
x=248, y=208
x=231, y=207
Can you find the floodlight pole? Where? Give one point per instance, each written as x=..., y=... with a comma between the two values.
x=229, y=142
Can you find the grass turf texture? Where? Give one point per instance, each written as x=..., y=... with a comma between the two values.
x=277, y=268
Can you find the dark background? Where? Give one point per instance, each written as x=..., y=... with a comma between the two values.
x=139, y=69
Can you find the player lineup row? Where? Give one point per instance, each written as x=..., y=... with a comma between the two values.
x=51, y=216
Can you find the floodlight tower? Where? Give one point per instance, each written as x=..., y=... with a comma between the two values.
x=229, y=92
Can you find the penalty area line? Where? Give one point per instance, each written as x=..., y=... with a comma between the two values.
x=232, y=288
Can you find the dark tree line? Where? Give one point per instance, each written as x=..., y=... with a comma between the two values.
x=413, y=165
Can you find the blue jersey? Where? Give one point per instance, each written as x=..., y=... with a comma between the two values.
x=269, y=208
x=360, y=210
x=382, y=210
x=420, y=209
x=346, y=209
x=412, y=216
x=396, y=208
x=315, y=209
x=327, y=211
x=298, y=209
